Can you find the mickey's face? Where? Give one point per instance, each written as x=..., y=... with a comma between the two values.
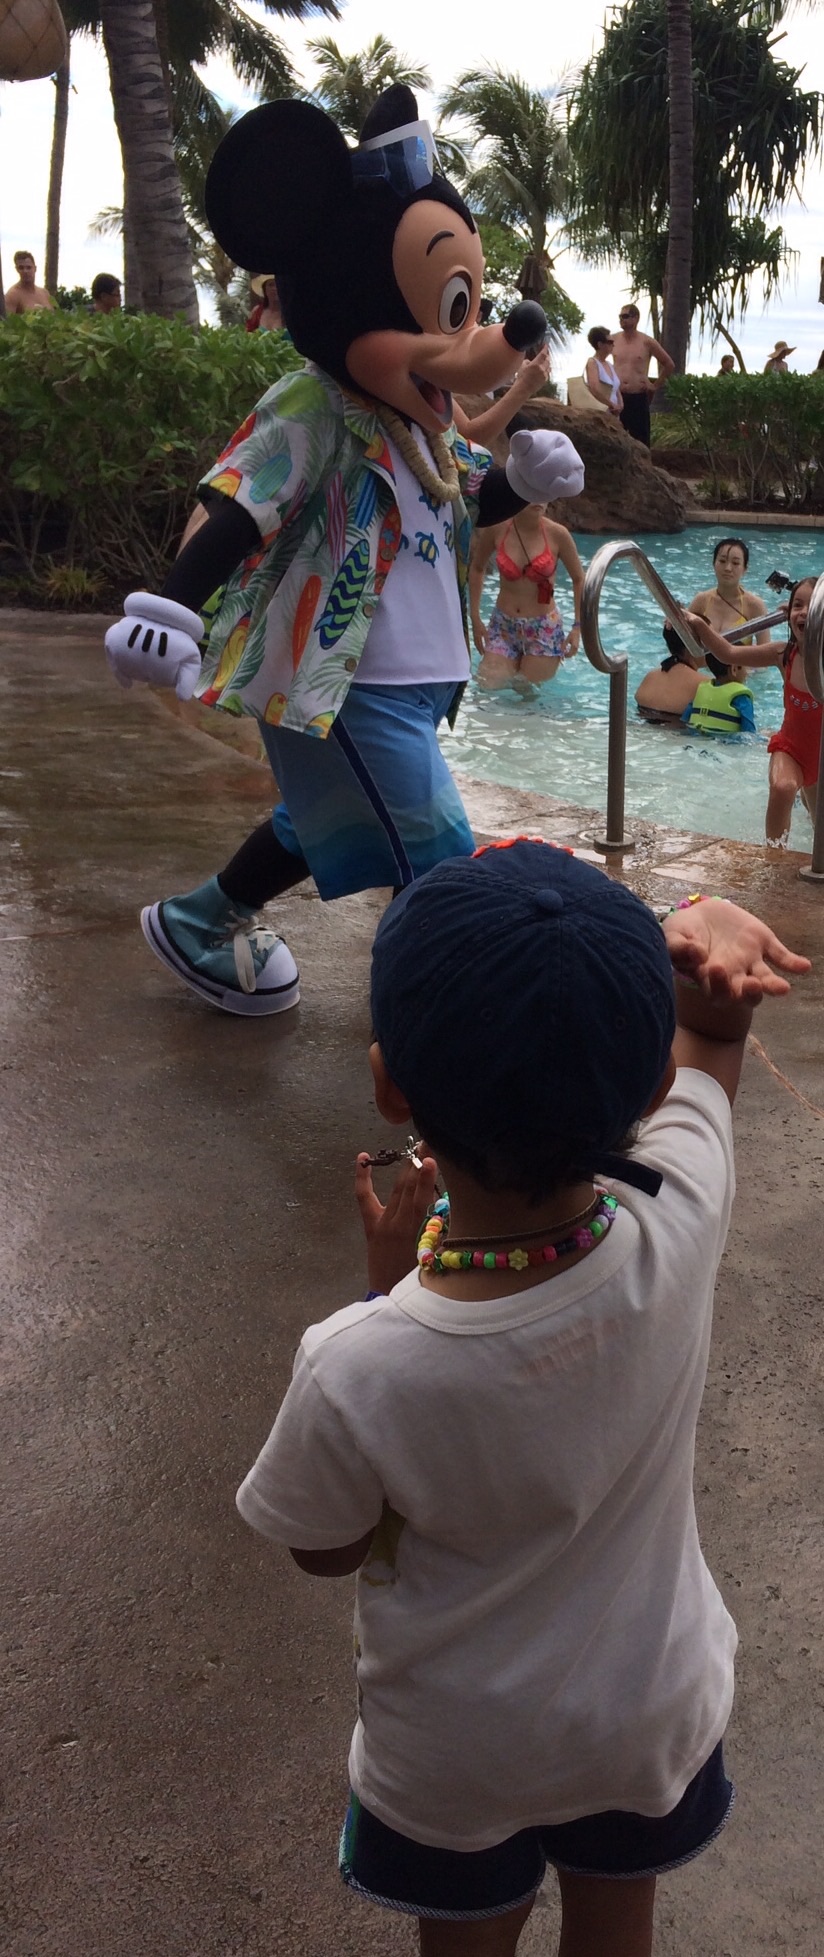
x=405, y=264
x=438, y=265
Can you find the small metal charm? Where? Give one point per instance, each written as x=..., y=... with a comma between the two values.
x=385, y=1157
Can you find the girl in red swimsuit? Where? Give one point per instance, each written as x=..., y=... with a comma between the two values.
x=524, y=642
x=794, y=751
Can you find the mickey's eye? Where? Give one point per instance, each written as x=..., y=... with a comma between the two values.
x=456, y=300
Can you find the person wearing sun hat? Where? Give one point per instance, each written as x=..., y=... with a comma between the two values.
x=266, y=316
x=777, y=363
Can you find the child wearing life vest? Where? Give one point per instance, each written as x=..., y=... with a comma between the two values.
x=722, y=704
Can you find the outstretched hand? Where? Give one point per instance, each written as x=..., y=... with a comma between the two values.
x=730, y=953
x=392, y=1229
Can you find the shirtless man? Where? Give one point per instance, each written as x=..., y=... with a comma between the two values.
x=25, y=296
x=631, y=354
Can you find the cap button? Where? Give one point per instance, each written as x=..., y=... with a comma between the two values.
x=549, y=901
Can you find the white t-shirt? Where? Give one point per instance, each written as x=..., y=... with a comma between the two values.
x=417, y=636
x=539, y=1637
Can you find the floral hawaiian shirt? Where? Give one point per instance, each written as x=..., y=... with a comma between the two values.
x=313, y=468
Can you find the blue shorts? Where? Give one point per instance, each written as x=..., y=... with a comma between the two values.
x=374, y=804
x=405, y=1875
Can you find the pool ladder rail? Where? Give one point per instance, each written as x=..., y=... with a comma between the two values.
x=615, y=665
x=813, y=872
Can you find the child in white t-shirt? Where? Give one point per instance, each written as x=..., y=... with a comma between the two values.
x=501, y=1442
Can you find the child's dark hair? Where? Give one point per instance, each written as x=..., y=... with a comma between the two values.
x=732, y=543
x=791, y=647
x=523, y=1004
x=526, y=1165
x=717, y=667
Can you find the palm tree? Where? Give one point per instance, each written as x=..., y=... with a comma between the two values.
x=678, y=275
x=143, y=119
x=753, y=130
x=520, y=173
x=62, y=85
x=523, y=177
x=189, y=33
x=350, y=84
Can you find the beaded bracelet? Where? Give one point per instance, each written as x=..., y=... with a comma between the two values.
x=696, y=898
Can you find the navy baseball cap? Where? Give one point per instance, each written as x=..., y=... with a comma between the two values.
x=521, y=994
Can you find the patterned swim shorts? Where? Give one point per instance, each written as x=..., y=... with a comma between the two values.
x=512, y=638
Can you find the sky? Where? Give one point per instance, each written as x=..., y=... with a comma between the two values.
x=542, y=45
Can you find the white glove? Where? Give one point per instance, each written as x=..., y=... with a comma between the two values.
x=156, y=642
x=543, y=466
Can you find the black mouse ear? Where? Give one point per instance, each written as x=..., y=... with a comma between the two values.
x=281, y=174
x=393, y=109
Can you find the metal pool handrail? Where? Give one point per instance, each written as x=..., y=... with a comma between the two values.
x=615, y=665
x=814, y=676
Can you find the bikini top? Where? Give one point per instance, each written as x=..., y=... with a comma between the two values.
x=540, y=569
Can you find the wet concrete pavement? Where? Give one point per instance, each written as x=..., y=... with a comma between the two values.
x=176, y=1206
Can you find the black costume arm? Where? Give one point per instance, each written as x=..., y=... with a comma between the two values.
x=497, y=500
x=212, y=554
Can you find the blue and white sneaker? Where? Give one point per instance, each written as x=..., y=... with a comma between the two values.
x=222, y=951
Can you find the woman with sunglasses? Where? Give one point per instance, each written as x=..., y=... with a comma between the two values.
x=599, y=373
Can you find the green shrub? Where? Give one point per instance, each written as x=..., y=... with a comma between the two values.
x=769, y=427
x=106, y=425
x=70, y=587
x=715, y=492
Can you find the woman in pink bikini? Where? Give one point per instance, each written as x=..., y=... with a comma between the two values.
x=524, y=642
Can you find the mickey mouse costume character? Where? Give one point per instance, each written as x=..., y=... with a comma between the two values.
x=338, y=518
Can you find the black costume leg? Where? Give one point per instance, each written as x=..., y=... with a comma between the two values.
x=261, y=869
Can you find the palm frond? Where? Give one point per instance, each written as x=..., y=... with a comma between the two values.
x=258, y=59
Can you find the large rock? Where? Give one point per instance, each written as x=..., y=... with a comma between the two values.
x=624, y=493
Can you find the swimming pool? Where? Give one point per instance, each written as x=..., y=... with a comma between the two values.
x=556, y=744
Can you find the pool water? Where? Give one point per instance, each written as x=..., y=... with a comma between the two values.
x=556, y=743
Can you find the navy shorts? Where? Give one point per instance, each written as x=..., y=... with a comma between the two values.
x=440, y=1882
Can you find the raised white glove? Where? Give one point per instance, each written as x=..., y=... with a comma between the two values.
x=156, y=642
x=543, y=466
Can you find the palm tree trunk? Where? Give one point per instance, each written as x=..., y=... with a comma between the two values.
x=133, y=294
x=718, y=323
x=152, y=186
x=160, y=10
x=62, y=82
x=677, y=298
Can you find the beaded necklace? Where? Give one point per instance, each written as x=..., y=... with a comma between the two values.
x=432, y=1258
x=443, y=487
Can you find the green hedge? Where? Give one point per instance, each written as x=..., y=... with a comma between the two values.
x=762, y=436
x=106, y=425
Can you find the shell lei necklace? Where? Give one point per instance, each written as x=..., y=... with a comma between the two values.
x=443, y=487
x=435, y=1256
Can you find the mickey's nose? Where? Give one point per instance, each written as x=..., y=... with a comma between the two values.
x=525, y=326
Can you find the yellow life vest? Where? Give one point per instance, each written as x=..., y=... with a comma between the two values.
x=713, y=709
